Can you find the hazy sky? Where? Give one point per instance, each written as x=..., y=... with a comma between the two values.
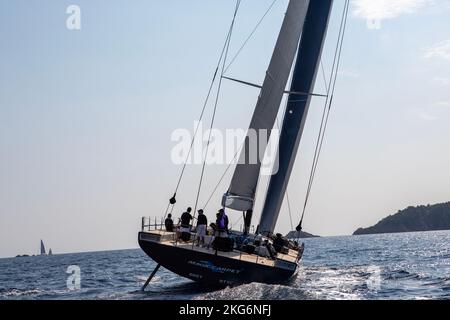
x=86, y=116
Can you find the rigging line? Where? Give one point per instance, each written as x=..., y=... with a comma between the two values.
x=223, y=176
x=204, y=107
x=325, y=107
x=331, y=100
x=289, y=209
x=332, y=94
x=324, y=76
x=238, y=3
x=324, y=124
x=250, y=36
x=285, y=92
x=167, y=210
x=203, y=110
x=333, y=80
x=326, y=104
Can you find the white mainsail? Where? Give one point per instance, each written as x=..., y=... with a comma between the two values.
x=241, y=193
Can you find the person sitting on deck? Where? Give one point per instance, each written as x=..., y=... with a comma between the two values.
x=169, y=223
x=202, y=223
x=261, y=250
x=271, y=249
x=278, y=243
x=212, y=229
x=293, y=245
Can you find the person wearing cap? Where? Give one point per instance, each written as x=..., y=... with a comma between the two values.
x=202, y=223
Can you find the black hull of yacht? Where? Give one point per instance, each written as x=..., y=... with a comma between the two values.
x=215, y=270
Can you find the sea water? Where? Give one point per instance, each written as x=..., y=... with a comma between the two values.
x=392, y=266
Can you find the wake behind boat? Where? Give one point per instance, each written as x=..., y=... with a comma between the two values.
x=234, y=257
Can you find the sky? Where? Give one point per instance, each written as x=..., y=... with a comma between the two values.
x=86, y=116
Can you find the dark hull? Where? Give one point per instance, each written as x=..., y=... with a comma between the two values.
x=215, y=270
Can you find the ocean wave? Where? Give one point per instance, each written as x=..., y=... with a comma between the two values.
x=411, y=266
x=8, y=293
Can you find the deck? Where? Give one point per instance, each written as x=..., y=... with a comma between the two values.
x=169, y=239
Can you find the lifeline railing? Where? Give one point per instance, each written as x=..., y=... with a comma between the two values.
x=154, y=224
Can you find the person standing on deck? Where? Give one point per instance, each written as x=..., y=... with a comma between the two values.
x=222, y=223
x=202, y=223
x=186, y=218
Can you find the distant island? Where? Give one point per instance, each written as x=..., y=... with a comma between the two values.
x=413, y=219
x=303, y=235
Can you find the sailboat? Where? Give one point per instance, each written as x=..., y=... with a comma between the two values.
x=298, y=53
x=50, y=252
x=42, y=253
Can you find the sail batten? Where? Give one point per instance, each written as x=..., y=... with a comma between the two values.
x=303, y=80
x=241, y=194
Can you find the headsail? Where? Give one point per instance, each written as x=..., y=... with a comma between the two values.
x=42, y=247
x=241, y=193
x=308, y=60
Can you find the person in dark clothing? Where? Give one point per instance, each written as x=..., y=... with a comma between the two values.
x=270, y=249
x=202, y=219
x=184, y=231
x=226, y=221
x=217, y=219
x=202, y=223
x=278, y=242
x=186, y=218
x=222, y=221
x=169, y=223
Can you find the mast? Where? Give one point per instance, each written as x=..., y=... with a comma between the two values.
x=241, y=194
x=305, y=72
